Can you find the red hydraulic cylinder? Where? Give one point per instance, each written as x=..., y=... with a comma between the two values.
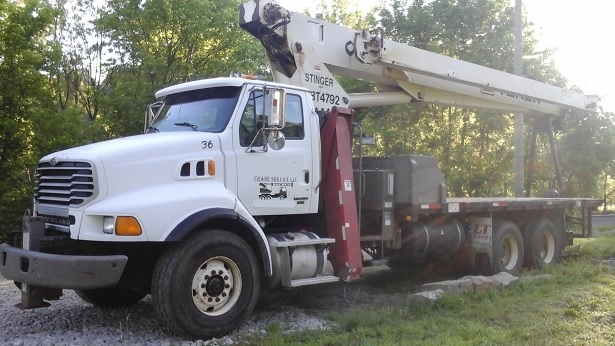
x=339, y=195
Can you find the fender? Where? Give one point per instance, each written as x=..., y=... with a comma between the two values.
x=159, y=208
x=191, y=222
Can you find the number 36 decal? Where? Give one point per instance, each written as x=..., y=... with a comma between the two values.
x=207, y=144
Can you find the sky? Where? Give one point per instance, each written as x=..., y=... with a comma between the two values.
x=579, y=31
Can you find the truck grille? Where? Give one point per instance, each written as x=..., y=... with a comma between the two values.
x=68, y=183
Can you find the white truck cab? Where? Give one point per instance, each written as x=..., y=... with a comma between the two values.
x=236, y=110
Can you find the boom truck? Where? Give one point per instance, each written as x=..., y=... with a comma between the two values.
x=239, y=185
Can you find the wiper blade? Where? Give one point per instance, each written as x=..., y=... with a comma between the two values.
x=151, y=129
x=186, y=124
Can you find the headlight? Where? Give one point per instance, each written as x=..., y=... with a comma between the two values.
x=121, y=225
x=108, y=224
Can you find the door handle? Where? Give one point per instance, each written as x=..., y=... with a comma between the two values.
x=307, y=177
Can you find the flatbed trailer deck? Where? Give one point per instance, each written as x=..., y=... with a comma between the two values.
x=487, y=204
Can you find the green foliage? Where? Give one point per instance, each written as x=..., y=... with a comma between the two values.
x=595, y=248
x=74, y=72
x=156, y=43
x=470, y=146
x=345, y=13
x=607, y=186
x=38, y=113
x=587, y=149
x=474, y=148
x=24, y=98
x=348, y=14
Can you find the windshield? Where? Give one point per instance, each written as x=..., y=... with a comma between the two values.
x=207, y=110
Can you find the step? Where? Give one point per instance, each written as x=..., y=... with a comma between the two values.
x=314, y=280
x=288, y=243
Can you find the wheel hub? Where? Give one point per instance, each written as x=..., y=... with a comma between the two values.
x=216, y=286
x=547, y=247
x=510, y=252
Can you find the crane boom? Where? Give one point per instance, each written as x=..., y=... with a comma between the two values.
x=309, y=52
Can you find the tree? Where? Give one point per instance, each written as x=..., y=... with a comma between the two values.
x=470, y=145
x=24, y=98
x=80, y=80
x=156, y=43
x=348, y=14
x=345, y=13
x=588, y=152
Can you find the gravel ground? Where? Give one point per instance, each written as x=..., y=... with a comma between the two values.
x=71, y=321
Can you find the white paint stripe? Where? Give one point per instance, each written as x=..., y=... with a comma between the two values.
x=341, y=201
x=337, y=163
x=343, y=233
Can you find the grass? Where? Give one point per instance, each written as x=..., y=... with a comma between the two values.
x=574, y=306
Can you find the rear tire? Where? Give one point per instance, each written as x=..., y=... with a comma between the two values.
x=543, y=243
x=507, y=250
x=207, y=285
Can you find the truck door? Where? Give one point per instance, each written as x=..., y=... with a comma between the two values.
x=274, y=182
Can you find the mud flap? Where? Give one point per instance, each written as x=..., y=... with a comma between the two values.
x=481, y=238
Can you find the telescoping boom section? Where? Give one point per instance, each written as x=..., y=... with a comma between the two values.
x=308, y=52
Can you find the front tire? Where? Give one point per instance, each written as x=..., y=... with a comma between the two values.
x=207, y=285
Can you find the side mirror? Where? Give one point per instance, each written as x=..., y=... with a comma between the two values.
x=276, y=140
x=277, y=118
x=150, y=114
x=148, y=118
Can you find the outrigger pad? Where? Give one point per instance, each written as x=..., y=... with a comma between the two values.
x=33, y=297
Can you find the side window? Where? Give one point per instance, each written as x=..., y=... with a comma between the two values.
x=294, y=118
x=253, y=118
